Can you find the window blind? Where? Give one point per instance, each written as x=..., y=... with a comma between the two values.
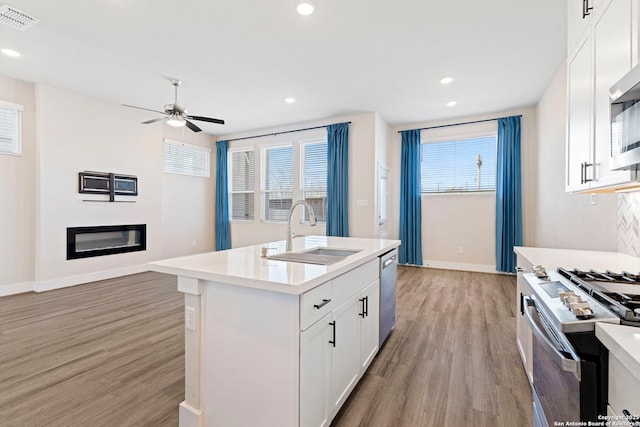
x=278, y=181
x=185, y=159
x=242, y=173
x=10, y=128
x=466, y=165
x=314, y=189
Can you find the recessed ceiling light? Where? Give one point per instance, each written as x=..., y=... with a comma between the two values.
x=305, y=7
x=451, y=104
x=289, y=100
x=446, y=80
x=10, y=52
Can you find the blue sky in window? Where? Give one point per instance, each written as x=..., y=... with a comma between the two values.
x=452, y=166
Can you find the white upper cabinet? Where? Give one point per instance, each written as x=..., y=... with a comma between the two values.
x=579, y=15
x=600, y=53
x=579, y=114
x=612, y=60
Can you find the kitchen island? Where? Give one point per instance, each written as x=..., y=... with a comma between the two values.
x=275, y=343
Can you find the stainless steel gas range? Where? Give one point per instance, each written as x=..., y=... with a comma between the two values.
x=619, y=292
x=570, y=365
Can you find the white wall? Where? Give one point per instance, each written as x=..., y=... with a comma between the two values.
x=561, y=220
x=467, y=221
x=17, y=193
x=362, y=179
x=188, y=220
x=39, y=190
x=382, y=138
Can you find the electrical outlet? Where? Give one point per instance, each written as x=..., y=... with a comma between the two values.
x=594, y=199
x=460, y=250
x=190, y=318
x=193, y=243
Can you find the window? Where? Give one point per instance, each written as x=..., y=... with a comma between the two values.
x=278, y=182
x=265, y=179
x=10, y=138
x=185, y=159
x=314, y=178
x=458, y=166
x=241, y=166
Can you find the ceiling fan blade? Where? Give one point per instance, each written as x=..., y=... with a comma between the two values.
x=153, y=120
x=192, y=126
x=141, y=108
x=206, y=119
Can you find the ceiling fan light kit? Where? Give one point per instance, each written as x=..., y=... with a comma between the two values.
x=305, y=7
x=176, y=113
x=176, y=121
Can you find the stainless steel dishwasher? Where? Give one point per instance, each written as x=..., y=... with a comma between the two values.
x=388, y=271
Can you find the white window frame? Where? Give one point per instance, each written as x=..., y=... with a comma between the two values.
x=230, y=189
x=457, y=137
x=263, y=176
x=260, y=146
x=195, y=148
x=14, y=149
x=302, y=167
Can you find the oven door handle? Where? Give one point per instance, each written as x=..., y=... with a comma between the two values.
x=568, y=365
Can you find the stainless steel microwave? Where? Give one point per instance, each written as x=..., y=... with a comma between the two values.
x=625, y=121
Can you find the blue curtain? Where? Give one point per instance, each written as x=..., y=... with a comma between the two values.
x=508, y=194
x=223, y=232
x=338, y=180
x=410, y=200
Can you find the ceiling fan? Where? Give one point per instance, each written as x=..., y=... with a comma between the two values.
x=176, y=113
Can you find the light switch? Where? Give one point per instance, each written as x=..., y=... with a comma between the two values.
x=362, y=202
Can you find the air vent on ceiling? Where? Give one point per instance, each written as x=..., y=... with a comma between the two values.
x=16, y=19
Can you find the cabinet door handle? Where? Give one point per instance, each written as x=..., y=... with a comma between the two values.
x=586, y=9
x=366, y=306
x=333, y=326
x=586, y=165
x=582, y=171
x=364, y=310
x=322, y=304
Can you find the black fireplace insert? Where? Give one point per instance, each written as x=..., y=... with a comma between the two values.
x=85, y=242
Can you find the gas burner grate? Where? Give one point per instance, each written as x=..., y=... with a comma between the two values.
x=607, y=276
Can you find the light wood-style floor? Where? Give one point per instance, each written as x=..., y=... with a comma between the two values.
x=111, y=353
x=451, y=359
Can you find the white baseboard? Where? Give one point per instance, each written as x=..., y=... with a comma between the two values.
x=15, y=288
x=447, y=265
x=189, y=416
x=64, y=282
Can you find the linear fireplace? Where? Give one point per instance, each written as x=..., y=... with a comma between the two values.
x=84, y=242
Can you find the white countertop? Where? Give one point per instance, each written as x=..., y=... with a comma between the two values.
x=551, y=259
x=624, y=343
x=245, y=266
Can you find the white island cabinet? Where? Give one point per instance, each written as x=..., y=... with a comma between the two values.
x=274, y=343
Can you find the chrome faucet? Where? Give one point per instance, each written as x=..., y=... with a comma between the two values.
x=312, y=221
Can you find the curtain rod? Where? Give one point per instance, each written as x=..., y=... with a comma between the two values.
x=463, y=123
x=277, y=133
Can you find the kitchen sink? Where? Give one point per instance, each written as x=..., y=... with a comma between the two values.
x=332, y=252
x=320, y=256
